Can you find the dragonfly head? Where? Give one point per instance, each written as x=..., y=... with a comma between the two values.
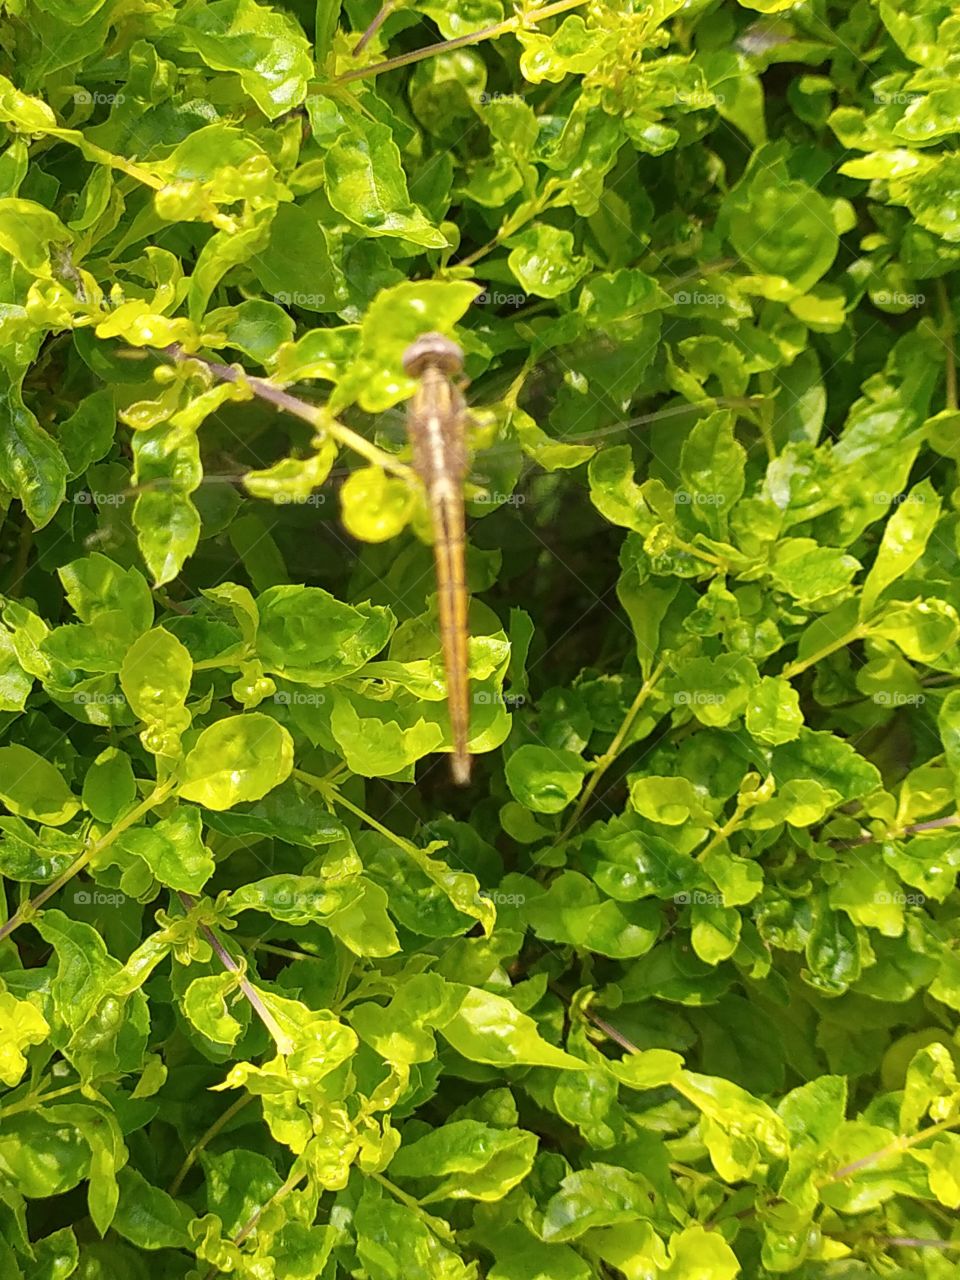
x=432, y=349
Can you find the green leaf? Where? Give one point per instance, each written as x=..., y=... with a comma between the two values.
x=473, y=1160
x=173, y=850
x=716, y=690
x=308, y=636
x=57, y=1255
x=32, y=466
x=15, y=681
x=266, y=48
x=906, y=535
x=543, y=260
x=22, y=1025
x=375, y=506
x=773, y=712
x=236, y=759
x=488, y=1028
x=109, y=786
x=711, y=466
x=365, y=182
x=782, y=227
x=694, y=1249
x=736, y=1127
x=543, y=779
x=922, y=630
x=86, y=436
x=519, y=1255
x=393, y=1243
x=155, y=677
x=34, y=788
x=147, y=1216
x=808, y=572
x=205, y=1005
x=572, y=911
x=672, y=801
x=600, y=1196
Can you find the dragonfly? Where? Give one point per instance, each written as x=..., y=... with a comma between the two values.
x=436, y=427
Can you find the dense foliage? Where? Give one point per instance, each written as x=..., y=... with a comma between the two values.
x=671, y=992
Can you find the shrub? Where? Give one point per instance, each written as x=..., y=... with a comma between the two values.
x=671, y=991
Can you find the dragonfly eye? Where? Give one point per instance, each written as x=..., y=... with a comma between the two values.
x=432, y=349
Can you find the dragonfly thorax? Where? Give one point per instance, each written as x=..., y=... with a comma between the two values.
x=432, y=349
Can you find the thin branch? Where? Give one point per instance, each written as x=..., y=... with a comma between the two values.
x=516, y=23
x=385, y=11
x=916, y=1242
x=26, y=910
x=603, y=762
x=915, y=828
x=312, y=413
x=281, y=1193
x=895, y=1148
x=948, y=333
x=282, y=1040
x=894, y=1242
x=611, y=1032
x=201, y=1143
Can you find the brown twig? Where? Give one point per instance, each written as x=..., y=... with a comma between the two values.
x=316, y=415
x=282, y=1040
x=509, y=25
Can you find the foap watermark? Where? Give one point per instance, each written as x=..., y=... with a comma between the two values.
x=885, y=499
x=894, y=298
x=88, y=497
x=298, y=299
x=298, y=698
x=698, y=98
x=95, y=98
x=898, y=898
x=486, y=698
x=98, y=898
x=502, y=899
x=500, y=499
x=698, y=898
x=895, y=698
x=682, y=498
x=897, y=98
x=297, y=899
x=698, y=698
x=494, y=298
x=486, y=98
x=684, y=298
x=298, y=499
x=100, y=699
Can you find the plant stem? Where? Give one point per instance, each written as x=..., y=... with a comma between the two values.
x=948, y=333
x=604, y=762
x=765, y=416
x=473, y=37
x=436, y=1226
x=897, y=1147
x=34, y=1099
x=385, y=10
x=795, y=668
x=282, y=1040
x=335, y=797
x=727, y=830
x=707, y=556
x=915, y=828
x=895, y=1242
x=201, y=1143
x=312, y=413
x=26, y=910
x=281, y=1193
